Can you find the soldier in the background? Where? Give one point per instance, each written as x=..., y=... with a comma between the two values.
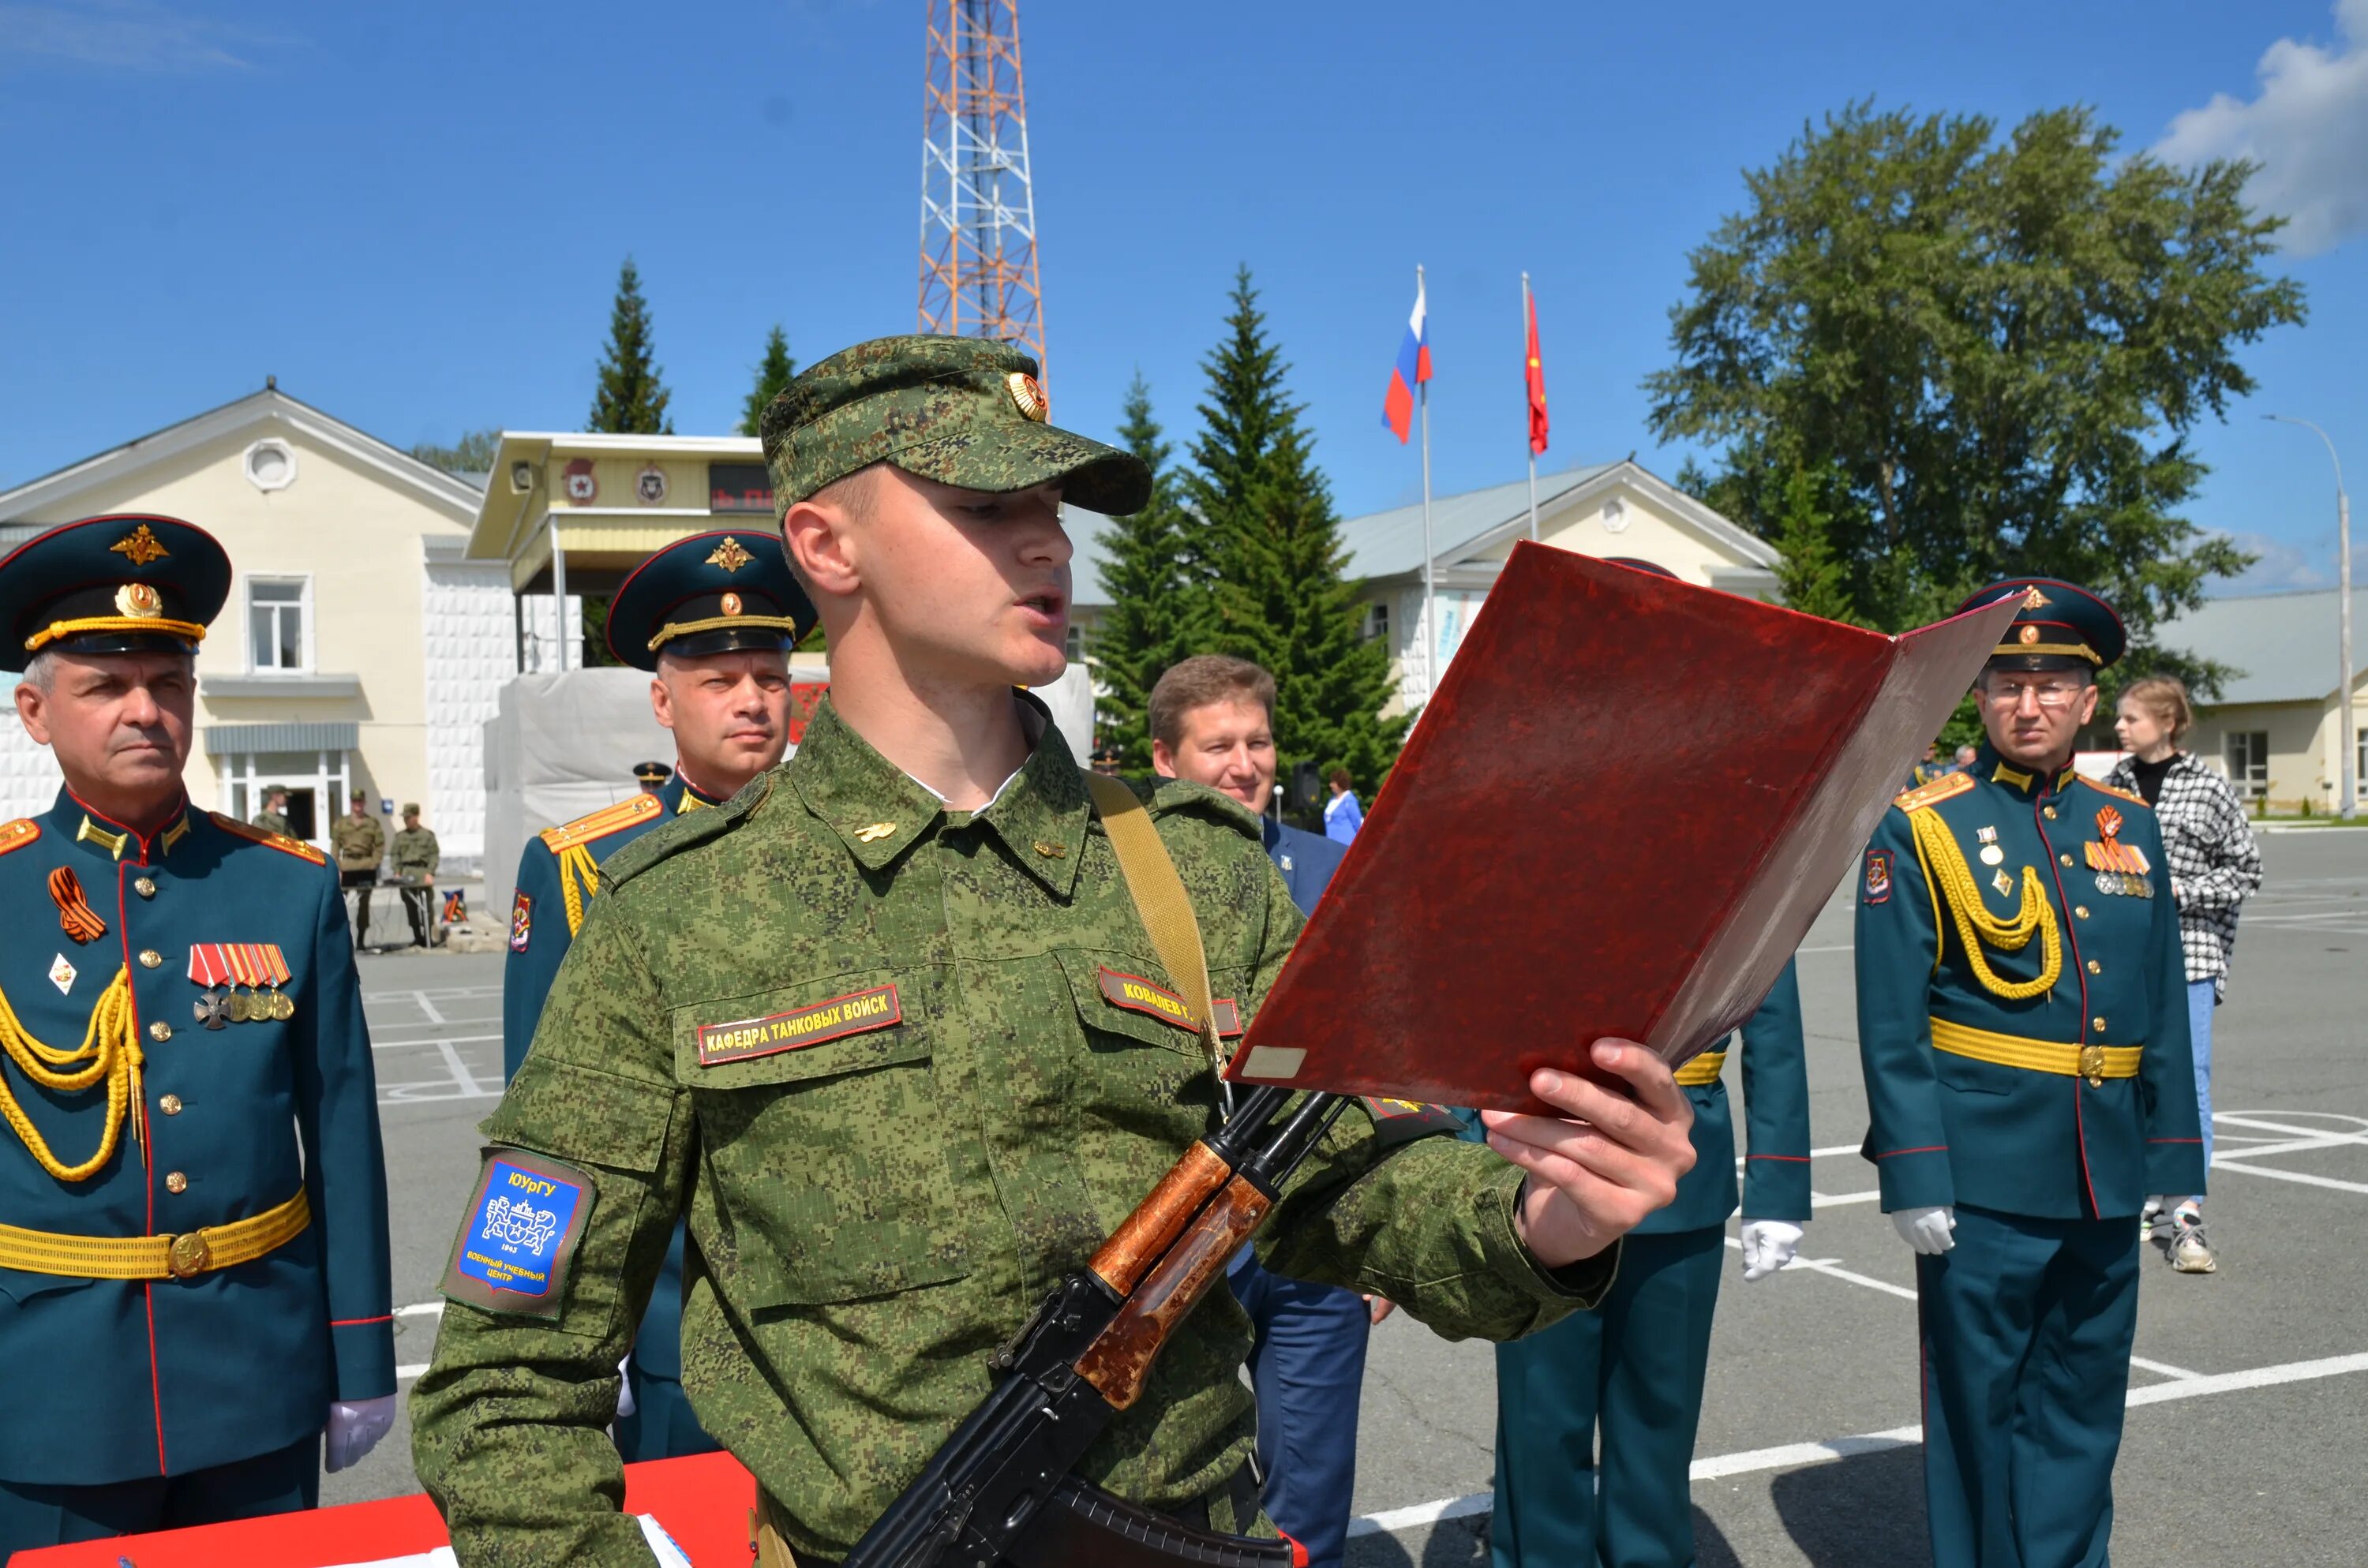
x=360, y=843
x=194, y=1262
x=652, y=776
x=416, y=857
x=273, y=817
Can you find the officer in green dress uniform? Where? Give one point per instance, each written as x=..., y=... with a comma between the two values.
x=712, y=618
x=273, y=817
x=193, y=1226
x=416, y=857
x=864, y=1021
x=2023, y=1022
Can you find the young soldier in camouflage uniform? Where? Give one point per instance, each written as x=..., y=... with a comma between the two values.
x=417, y=855
x=360, y=842
x=273, y=817
x=855, y=1020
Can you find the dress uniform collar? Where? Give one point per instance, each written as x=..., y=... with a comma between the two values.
x=1992, y=768
x=878, y=810
x=104, y=836
x=679, y=795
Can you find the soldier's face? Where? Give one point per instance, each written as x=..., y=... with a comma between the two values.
x=729, y=712
x=118, y=723
x=1228, y=746
x=966, y=587
x=2032, y=717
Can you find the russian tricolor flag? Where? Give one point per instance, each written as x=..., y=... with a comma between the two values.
x=1412, y=369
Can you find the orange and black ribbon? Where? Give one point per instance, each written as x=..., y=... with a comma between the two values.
x=74, y=913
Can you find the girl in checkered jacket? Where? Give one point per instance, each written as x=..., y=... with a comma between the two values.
x=2215, y=866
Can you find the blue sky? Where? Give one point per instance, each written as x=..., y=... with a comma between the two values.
x=414, y=215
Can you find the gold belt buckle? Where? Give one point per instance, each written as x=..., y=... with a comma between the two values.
x=188, y=1254
x=2092, y=1066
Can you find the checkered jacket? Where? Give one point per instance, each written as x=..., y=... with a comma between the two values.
x=2216, y=865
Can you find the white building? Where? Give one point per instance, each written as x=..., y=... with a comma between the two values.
x=2276, y=729
x=358, y=649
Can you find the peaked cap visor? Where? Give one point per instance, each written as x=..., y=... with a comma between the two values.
x=121, y=583
x=961, y=410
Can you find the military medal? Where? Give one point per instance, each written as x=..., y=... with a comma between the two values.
x=2004, y=883
x=241, y=983
x=1991, y=854
x=212, y=1007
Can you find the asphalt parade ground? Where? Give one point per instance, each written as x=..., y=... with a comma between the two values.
x=2248, y=1398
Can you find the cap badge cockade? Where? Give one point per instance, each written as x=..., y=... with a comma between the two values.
x=2029, y=634
x=142, y=546
x=1027, y=396
x=731, y=604
x=139, y=601
x=730, y=555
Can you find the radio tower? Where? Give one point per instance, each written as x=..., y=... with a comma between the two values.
x=978, y=210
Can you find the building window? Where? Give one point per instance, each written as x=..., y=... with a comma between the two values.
x=278, y=612
x=2247, y=753
x=271, y=464
x=1376, y=622
x=1072, y=643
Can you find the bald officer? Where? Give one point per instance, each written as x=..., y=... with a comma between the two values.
x=193, y=1226
x=2022, y=1023
x=712, y=619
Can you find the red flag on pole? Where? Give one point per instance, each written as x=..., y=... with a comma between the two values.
x=1536, y=375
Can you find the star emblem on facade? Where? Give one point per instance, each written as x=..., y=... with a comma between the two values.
x=730, y=555
x=142, y=546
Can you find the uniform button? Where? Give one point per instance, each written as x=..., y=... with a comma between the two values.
x=2096, y=968
x=2049, y=811
x=170, y=1104
x=2065, y=858
x=160, y=1030
x=150, y=958
x=2081, y=910
x=175, y=1182
x=145, y=887
x=2097, y=1024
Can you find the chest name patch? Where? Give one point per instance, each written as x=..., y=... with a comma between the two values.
x=1137, y=995
x=518, y=1238
x=858, y=1012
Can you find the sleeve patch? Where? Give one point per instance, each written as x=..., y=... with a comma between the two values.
x=521, y=920
x=517, y=1239
x=1878, y=876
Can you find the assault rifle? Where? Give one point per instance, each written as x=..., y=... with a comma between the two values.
x=999, y=1489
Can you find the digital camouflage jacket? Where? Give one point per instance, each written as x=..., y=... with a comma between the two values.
x=886, y=1057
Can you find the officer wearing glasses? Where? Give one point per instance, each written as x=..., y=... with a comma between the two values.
x=2023, y=1024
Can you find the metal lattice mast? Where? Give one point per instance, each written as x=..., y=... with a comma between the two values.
x=978, y=210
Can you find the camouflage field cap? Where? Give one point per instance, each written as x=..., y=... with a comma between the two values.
x=958, y=410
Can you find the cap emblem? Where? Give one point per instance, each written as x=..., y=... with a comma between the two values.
x=1027, y=396
x=2034, y=599
x=2029, y=634
x=142, y=546
x=139, y=601
x=731, y=604
x=731, y=557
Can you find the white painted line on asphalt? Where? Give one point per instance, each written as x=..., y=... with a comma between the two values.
x=409, y=1370
x=421, y=1309
x=1824, y=1201
x=1826, y=1266
x=2261, y=1121
x=1836, y=1149
x=1843, y=947
x=439, y=1039
x=1791, y=1456
x=2218, y=1163
x=427, y=1007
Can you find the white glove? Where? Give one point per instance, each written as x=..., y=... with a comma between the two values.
x=1767, y=1246
x=1925, y=1229
x=626, y=1403
x=355, y=1429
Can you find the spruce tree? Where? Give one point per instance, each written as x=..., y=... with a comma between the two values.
x=631, y=400
x=1273, y=545
x=1811, y=578
x=774, y=373
x=1160, y=610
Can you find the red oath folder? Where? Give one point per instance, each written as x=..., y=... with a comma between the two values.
x=1618, y=816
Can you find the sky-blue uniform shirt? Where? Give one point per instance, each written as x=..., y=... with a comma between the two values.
x=117, y=1380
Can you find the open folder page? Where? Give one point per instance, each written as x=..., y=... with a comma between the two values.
x=1618, y=816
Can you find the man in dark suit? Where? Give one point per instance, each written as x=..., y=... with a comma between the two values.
x=1212, y=723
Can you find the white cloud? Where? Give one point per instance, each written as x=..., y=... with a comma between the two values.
x=2282, y=564
x=125, y=35
x=2307, y=128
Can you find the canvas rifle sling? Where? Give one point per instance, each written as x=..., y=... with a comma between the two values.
x=1158, y=894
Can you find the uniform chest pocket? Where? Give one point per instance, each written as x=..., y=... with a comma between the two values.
x=837, y=1172
x=1119, y=995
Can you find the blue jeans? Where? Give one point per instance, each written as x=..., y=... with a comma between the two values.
x=2203, y=995
x=1308, y=1366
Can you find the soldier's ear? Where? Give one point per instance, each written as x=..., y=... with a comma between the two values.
x=33, y=711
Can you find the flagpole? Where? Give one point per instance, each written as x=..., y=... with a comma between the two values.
x=1526, y=444
x=1429, y=587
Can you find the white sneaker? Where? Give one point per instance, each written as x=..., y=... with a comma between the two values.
x=2189, y=1252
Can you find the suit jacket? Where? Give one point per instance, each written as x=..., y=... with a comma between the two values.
x=1954, y=1127
x=109, y=1379
x=1306, y=860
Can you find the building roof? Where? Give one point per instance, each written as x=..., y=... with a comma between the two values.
x=268, y=406
x=1389, y=544
x=2283, y=644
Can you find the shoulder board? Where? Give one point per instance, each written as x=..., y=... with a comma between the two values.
x=642, y=808
x=1929, y=794
x=679, y=834
x=19, y=834
x=2107, y=789
x=279, y=841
